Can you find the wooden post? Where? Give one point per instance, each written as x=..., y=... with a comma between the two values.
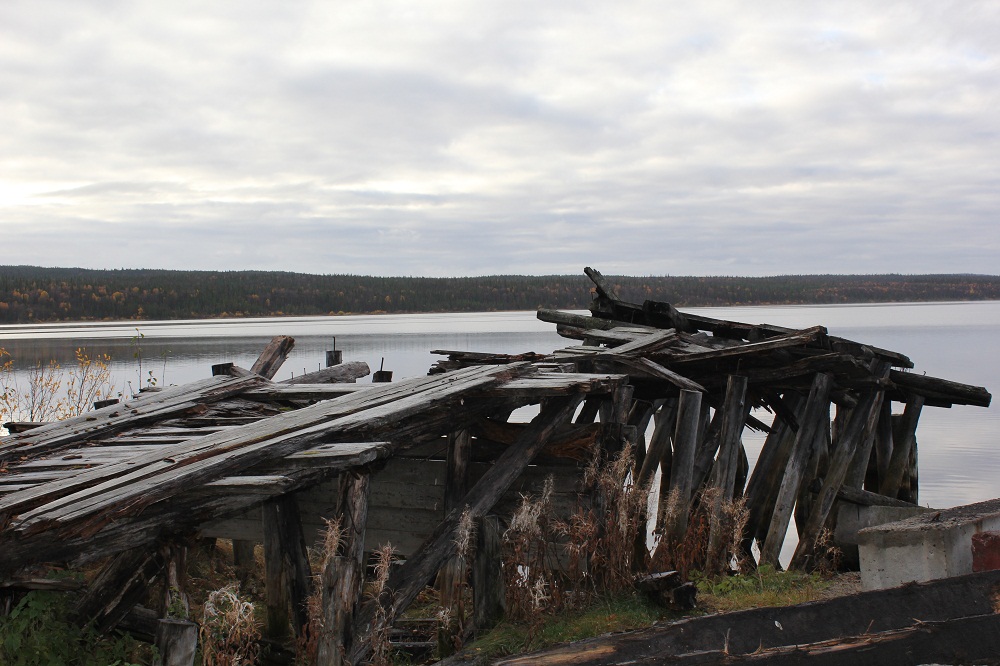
x=899, y=463
x=286, y=566
x=176, y=642
x=883, y=446
x=175, y=598
x=270, y=360
x=243, y=559
x=855, y=436
x=658, y=450
x=858, y=469
x=487, y=574
x=815, y=415
x=355, y=491
x=334, y=357
x=451, y=577
x=639, y=416
x=675, y=495
x=734, y=414
x=341, y=580
x=762, y=489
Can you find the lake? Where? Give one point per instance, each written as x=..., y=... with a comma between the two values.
x=959, y=447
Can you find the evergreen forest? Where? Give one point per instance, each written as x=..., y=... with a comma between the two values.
x=30, y=294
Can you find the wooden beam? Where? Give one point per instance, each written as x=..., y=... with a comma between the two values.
x=286, y=566
x=856, y=436
x=676, y=495
x=899, y=463
x=270, y=360
x=816, y=413
x=734, y=414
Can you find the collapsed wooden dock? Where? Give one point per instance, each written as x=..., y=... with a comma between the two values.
x=240, y=456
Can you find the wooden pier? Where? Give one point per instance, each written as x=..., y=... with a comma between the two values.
x=242, y=457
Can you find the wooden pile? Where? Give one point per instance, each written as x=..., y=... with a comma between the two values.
x=240, y=456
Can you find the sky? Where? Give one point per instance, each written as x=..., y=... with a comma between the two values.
x=444, y=138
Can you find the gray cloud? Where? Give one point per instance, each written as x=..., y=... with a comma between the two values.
x=446, y=138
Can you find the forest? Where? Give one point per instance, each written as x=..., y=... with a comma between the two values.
x=31, y=294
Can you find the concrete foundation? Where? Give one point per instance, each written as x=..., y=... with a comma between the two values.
x=852, y=518
x=936, y=544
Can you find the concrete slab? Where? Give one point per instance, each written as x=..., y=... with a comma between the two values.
x=852, y=518
x=933, y=545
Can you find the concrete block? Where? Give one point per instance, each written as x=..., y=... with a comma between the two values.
x=933, y=545
x=852, y=518
x=986, y=551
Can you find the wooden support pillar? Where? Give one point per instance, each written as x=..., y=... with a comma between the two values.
x=175, y=598
x=676, y=493
x=708, y=445
x=883, y=447
x=407, y=581
x=815, y=469
x=487, y=574
x=286, y=566
x=903, y=442
x=176, y=642
x=452, y=576
x=762, y=489
x=614, y=415
x=591, y=408
x=341, y=582
x=815, y=416
x=638, y=418
x=118, y=587
x=243, y=559
x=658, y=450
x=734, y=414
x=355, y=491
x=342, y=577
x=858, y=469
x=853, y=437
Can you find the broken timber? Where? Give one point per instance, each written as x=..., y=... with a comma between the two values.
x=239, y=456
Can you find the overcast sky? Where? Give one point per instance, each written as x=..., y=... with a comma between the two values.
x=466, y=138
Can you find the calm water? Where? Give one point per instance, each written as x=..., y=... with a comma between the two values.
x=959, y=447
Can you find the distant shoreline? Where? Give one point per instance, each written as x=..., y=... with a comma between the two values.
x=36, y=295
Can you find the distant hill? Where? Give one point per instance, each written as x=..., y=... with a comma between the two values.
x=30, y=294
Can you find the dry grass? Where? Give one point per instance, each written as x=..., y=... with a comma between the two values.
x=229, y=631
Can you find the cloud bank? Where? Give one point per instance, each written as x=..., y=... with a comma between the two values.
x=446, y=138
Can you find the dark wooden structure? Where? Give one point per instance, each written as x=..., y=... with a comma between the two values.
x=239, y=456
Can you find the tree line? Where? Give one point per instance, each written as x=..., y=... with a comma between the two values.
x=30, y=294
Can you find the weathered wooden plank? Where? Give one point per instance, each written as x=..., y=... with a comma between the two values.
x=581, y=321
x=796, y=339
x=648, y=368
x=815, y=414
x=144, y=409
x=274, y=354
x=215, y=455
x=335, y=374
x=407, y=581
